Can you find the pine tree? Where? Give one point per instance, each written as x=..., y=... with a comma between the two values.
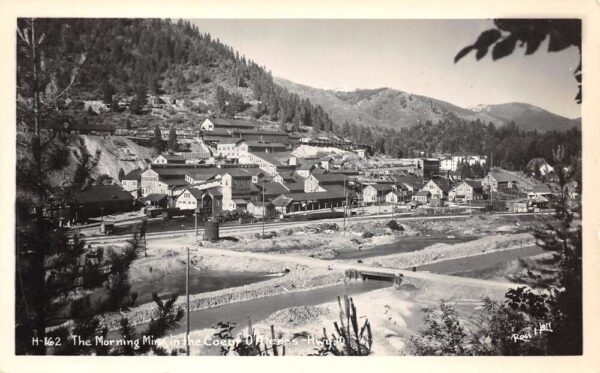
x=172, y=142
x=157, y=141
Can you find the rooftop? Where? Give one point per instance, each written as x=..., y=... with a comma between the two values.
x=502, y=176
x=474, y=184
x=103, y=193
x=238, y=123
x=134, y=175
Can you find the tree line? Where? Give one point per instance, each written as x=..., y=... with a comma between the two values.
x=506, y=146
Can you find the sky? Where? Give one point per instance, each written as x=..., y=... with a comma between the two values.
x=415, y=56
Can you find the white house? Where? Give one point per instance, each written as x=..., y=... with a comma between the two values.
x=258, y=209
x=305, y=169
x=132, y=181
x=438, y=188
x=499, y=179
x=394, y=196
x=168, y=159
x=229, y=148
x=375, y=193
x=451, y=163
x=326, y=162
x=468, y=190
x=190, y=199
x=362, y=153
x=421, y=196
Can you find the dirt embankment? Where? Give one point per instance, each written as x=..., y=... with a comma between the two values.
x=118, y=152
x=295, y=277
x=320, y=240
x=440, y=252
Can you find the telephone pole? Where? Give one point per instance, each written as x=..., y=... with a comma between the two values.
x=345, y=201
x=264, y=209
x=187, y=300
x=196, y=224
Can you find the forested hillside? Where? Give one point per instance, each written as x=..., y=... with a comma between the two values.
x=138, y=56
x=507, y=145
x=132, y=57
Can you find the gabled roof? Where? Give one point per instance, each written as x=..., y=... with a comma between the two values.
x=422, y=193
x=155, y=197
x=238, y=123
x=443, y=184
x=290, y=176
x=134, y=175
x=285, y=199
x=502, y=176
x=196, y=193
x=103, y=193
x=381, y=188
x=330, y=178
x=216, y=191
x=295, y=187
x=260, y=203
x=275, y=158
x=474, y=184
x=306, y=166
x=238, y=173
x=272, y=189
x=337, y=190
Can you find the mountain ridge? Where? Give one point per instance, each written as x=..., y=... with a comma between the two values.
x=392, y=108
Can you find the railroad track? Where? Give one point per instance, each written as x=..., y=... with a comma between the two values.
x=257, y=227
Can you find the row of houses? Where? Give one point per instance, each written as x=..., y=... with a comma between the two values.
x=411, y=187
x=303, y=184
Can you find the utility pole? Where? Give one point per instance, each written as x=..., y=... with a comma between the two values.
x=264, y=209
x=187, y=300
x=196, y=223
x=345, y=201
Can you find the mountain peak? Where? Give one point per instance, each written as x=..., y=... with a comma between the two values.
x=392, y=108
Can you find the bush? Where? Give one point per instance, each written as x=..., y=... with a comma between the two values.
x=393, y=225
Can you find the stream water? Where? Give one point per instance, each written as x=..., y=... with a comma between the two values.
x=403, y=245
x=200, y=282
x=259, y=309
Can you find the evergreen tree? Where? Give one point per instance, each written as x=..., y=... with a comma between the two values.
x=172, y=142
x=157, y=141
x=108, y=92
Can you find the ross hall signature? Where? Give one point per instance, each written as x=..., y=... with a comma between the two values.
x=528, y=333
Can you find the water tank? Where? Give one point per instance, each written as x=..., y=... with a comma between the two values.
x=211, y=230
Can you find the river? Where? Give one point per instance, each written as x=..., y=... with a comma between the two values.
x=261, y=308
x=403, y=245
x=200, y=282
x=480, y=262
